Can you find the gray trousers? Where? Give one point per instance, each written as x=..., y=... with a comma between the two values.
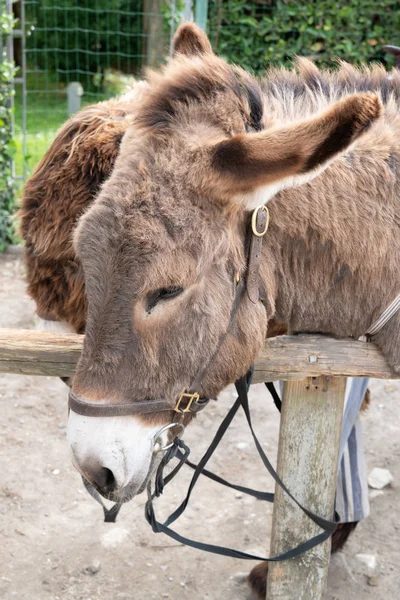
x=352, y=502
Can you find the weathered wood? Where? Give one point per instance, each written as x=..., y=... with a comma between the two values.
x=284, y=357
x=309, y=438
x=38, y=353
x=297, y=356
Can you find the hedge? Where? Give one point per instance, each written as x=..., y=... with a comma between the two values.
x=7, y=146
x=256, y=34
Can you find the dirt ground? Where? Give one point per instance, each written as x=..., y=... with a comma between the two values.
x=54, y=545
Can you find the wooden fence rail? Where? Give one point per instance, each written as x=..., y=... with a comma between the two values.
x=286, y=357
x=308, y=438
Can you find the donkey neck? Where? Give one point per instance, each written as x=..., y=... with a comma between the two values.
x=329, y=258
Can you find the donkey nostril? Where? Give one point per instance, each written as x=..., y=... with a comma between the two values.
x=104, y=479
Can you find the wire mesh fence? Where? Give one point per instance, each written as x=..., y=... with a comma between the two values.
x=100, y=44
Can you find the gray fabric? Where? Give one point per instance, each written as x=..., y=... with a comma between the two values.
x=352, y=502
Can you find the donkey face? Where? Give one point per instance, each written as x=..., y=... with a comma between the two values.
x=162, y=245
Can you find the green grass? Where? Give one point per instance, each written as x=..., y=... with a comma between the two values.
x=44, y=117
x=46, y=112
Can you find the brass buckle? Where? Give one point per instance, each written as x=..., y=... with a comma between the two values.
x=254, y=221
x=192, y=398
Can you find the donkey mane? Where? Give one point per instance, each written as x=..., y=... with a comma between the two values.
x=280, y=95
x=298, y=92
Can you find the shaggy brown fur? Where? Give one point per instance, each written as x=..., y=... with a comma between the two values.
x=64, y=184
x=165, y=218
x=201, y=142
x=191, y=42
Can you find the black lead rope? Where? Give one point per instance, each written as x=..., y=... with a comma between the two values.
x=242, y=386
x=275, y=396
x=110, y=514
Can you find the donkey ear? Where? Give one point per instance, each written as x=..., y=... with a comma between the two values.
x=253, y=167
x=190, y=40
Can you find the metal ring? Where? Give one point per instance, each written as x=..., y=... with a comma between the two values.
x=157, y=446
x=254, y=221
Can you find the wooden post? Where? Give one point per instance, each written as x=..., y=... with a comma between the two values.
x=155, y=37
x=311, y=420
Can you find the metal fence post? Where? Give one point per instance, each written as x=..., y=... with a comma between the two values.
x=21, y=79
x=200, y=13
x=309, y=438
x=74, y=94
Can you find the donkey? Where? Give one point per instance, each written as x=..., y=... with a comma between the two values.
x=135, y=225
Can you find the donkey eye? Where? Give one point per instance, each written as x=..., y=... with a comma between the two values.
x=162, y=294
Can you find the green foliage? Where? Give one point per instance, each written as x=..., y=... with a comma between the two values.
x=256, y=34
x=171, y=13
x=7, y=145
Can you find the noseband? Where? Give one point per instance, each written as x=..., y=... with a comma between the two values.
x=191, y=401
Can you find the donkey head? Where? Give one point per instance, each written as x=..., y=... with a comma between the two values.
x=163, y=243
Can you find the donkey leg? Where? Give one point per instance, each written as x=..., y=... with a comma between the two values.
x=258, y=576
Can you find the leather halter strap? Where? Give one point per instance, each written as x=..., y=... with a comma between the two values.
x=190, y=401
x=259, y=227
x=143, y=407
x=385, y=317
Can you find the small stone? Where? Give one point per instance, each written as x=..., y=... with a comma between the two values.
x=94, y=567
x=182, y=584
x=22, y=421
x=20, y=532
x=114, y=537
x=390, y=387
x=240, y=577
x=61, y=425
x=379, y=478
x=165, y=595
x=367, y=559
x=373, y=580
x=242, y=445
x=56, y=472
x=239, y=495
x=170, y=578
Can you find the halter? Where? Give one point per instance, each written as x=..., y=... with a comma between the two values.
x=385, y=317
x=191, y=401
